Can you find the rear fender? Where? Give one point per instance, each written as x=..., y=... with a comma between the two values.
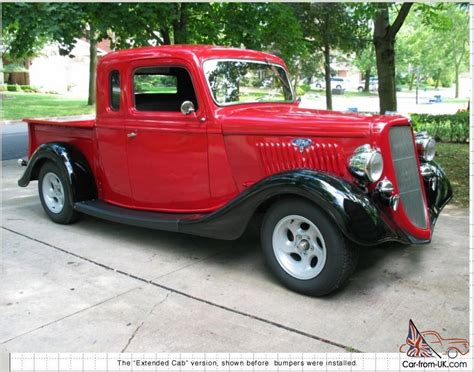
x=68, y=158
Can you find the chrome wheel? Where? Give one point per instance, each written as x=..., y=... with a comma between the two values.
x=299, y=247
x=53, y=192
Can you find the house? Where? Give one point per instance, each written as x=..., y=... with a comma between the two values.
x=51, y=72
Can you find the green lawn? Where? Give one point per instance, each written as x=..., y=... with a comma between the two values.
x=454, y=158
x=17, y=105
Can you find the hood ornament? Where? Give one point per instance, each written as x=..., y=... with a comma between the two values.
x=301, y=143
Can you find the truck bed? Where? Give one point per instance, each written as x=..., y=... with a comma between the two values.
x=76, y=130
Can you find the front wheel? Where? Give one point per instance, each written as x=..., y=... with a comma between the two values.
x=304, y=248
x=56, y=194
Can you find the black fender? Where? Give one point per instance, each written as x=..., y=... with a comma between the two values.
x=359, y=219
x=438, y=190
x=68, y=158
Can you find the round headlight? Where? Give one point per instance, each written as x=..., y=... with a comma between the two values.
x=375, y=166
x=426, y=146
x=366, y=163
x=429, y=150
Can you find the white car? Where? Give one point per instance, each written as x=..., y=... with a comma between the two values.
x=373, y=84
x=336, y=82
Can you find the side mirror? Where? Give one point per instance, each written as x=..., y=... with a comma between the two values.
x=187, y=107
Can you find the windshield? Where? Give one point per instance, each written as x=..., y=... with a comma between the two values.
x=236, y=81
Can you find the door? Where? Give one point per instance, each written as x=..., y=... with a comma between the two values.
x=114, y=183
x=166, y=149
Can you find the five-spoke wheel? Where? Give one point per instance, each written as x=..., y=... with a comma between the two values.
x=56, y=194
x=53, y=192
x=305, y=249
x=299, y=247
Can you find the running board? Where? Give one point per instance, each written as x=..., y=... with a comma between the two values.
x=150, y=220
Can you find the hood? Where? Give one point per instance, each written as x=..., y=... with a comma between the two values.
x=290, y=119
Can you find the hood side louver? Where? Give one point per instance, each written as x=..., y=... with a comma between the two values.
x=279, y=157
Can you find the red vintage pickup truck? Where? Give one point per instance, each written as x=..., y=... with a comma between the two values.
x=205, y=140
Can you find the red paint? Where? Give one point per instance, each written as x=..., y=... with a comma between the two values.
x=199, y=162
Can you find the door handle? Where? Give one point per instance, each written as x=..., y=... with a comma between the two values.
x=132, y=134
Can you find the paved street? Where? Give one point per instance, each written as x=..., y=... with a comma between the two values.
x=406, y=102
x=98, y=286
x=14, y=140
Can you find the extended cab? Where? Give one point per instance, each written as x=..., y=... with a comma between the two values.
x=202, y=140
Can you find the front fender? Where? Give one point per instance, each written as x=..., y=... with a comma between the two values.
x=351, y=210
x=438, y=189
x=71, y=161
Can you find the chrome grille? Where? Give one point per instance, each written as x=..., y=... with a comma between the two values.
x=408, y=178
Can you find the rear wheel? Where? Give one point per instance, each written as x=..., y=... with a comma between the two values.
x=56, y=194
x=304, y=249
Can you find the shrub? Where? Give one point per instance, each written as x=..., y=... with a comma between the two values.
x=300, y=91
x=445, y=128
x=3, y=88
x=306, y=88
x=29, y=89
x=14, y=88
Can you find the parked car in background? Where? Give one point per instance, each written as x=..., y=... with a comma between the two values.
x=373, y=84
x=336, y=83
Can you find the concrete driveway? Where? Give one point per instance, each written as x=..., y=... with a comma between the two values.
x=97, y=286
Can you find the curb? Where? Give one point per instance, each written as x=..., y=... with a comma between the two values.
x=10, y=122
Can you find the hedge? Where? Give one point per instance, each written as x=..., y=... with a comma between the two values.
x=18, y=88
x=445, y=128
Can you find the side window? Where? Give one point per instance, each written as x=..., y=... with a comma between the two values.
x=115, y=90
x=162, y=88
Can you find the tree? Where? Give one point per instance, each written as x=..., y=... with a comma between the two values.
x=453, y=26
x=365, y=62
x=384, y=41
x=331, y=26
x=27, y=27
x=30, y=26
x=435, y=40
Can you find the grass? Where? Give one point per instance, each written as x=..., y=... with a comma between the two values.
x=456, y=100
x=454, y=158
x=17, y=105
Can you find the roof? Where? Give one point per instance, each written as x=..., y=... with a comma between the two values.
x=201, y=52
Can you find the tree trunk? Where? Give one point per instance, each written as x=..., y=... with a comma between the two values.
x=456, y=80
x=165, y=34
x=384, y=42
x=438, y=77
x=92, y=65
x=327, y=76
x=412, y=80
x=180, y=25
x=385, y=56
x=297, y=79
x=1, y=71
x=367, y=80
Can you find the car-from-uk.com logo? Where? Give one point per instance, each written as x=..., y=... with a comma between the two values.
x=429, y=344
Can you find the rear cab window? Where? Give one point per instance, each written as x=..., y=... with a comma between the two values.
x=115, y=90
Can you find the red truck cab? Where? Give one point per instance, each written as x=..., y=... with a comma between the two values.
x=201, y=139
